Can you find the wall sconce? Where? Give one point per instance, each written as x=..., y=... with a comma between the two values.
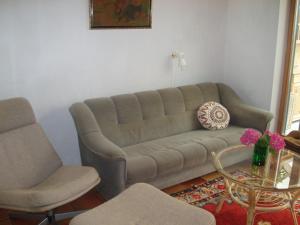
x=181, y=59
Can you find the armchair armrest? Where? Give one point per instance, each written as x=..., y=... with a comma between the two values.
x=98, y=151
x=242, y=114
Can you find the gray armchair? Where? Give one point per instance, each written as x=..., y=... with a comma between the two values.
x=32, y=177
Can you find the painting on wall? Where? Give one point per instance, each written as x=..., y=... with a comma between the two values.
x=120, y=14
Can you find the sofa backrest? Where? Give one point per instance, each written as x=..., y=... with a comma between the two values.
x=133, y=118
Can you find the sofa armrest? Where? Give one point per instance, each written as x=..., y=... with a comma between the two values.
x=91, y=135
x=99, y=152
x=242, y=114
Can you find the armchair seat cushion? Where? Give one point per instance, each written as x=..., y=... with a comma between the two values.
x=148, y=160
x=64, y=185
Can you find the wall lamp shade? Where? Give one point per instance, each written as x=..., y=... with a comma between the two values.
x=181, y=59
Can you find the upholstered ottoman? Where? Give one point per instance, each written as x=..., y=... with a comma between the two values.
x=143, y=204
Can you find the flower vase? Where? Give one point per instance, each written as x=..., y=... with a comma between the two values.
x=260, y=154
x=272, y=164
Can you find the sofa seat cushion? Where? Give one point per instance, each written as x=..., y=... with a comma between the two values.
x=65, y=184
x=148, y=160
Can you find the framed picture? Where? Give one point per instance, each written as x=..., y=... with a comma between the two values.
x=120, y=14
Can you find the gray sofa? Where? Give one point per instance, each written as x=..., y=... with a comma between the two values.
x=155, y=137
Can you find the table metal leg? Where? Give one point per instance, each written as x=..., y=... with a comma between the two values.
x=293, y=200
x=225, y=195
x=294, y=215
x=251, y=209
x=220, y=204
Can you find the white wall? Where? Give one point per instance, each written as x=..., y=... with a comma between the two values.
x=6, y=51
x=49, y=55
x=250, y=49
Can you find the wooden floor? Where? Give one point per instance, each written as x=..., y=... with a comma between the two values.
x=93, y=199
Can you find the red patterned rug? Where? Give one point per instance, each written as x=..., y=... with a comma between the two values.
x=208, y=194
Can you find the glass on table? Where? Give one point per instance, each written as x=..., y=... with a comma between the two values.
x=281, y=171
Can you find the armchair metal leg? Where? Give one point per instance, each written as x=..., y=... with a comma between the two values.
x=67, y=215
x=26, y=216
x=50, y=218
x=44, y=222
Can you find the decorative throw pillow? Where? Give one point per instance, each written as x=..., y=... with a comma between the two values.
x=213, y=116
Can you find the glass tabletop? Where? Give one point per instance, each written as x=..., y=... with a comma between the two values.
x=280, y=172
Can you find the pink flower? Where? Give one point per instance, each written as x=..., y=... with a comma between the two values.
x=250, y=136
x=277, y=142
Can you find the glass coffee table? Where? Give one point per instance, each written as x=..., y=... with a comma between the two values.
x=275, y=186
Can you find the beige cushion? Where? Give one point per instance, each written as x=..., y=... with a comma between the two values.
x=143, y=204
x=148, y=160
x=67, y=183
x=213, y=116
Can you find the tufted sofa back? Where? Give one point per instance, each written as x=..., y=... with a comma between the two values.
x=133, y=118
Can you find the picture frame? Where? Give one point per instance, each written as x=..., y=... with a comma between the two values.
x=110, y=14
